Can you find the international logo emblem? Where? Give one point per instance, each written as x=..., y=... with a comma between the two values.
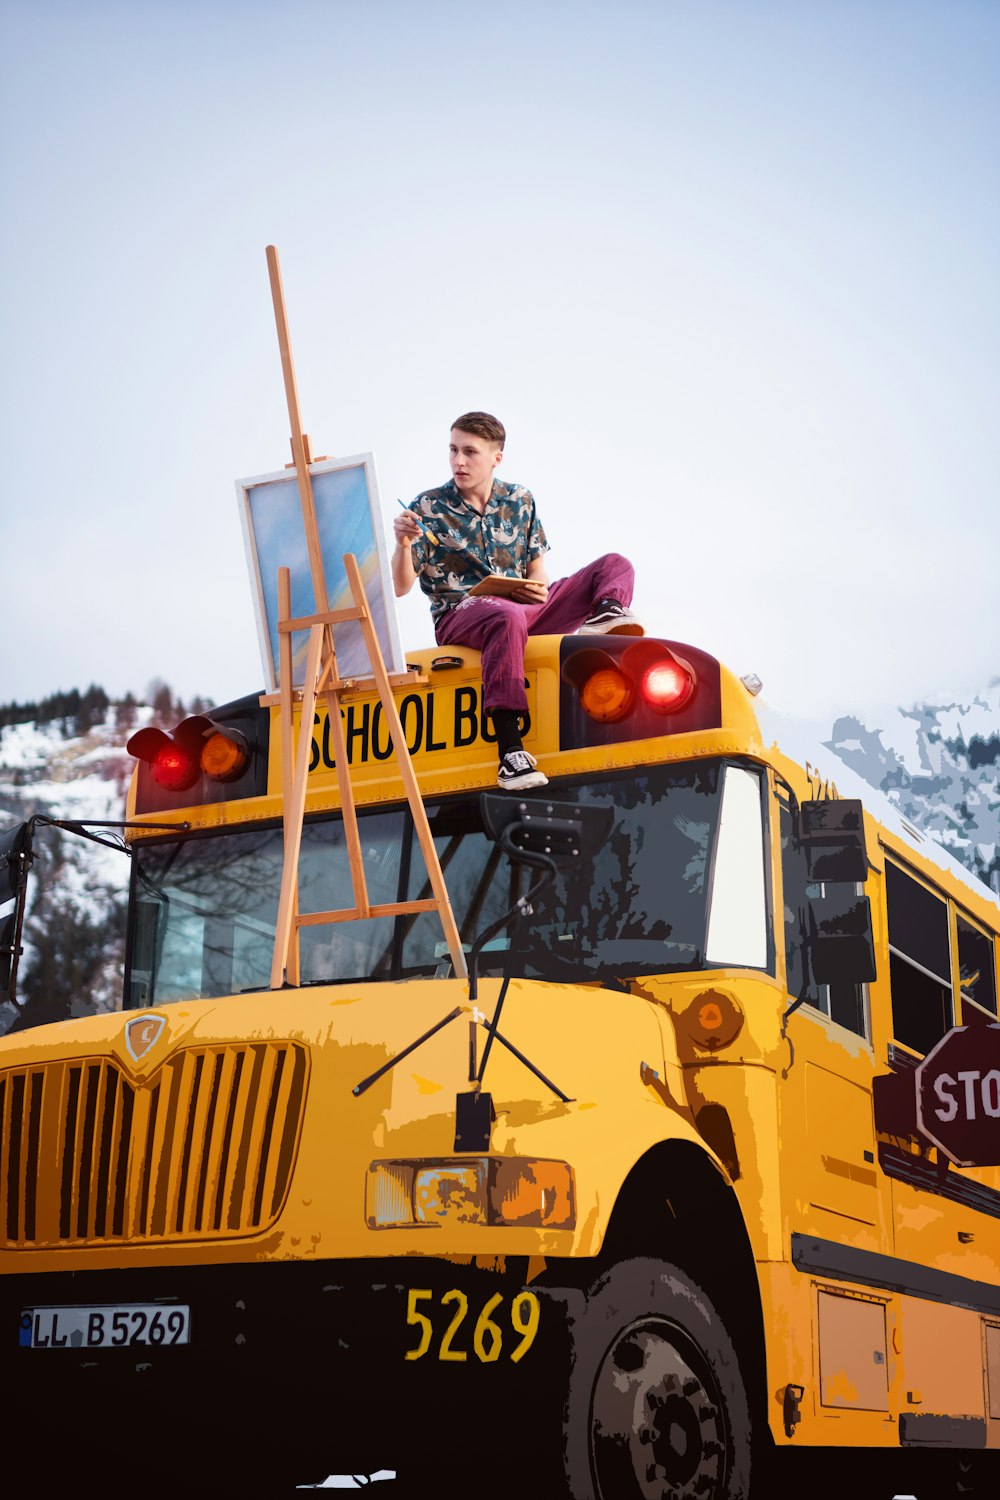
x=141, y=1033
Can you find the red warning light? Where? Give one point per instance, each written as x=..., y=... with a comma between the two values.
x=667, y=685
x=174, y=768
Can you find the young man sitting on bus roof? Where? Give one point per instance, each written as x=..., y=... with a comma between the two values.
x=475, y=525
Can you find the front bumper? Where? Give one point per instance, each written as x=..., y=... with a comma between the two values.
x=320, y=1367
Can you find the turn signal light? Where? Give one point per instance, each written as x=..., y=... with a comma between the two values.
x=610, y=687
x=197, y=746
x=223, y=756
x=607, y=695
x=714, y=1019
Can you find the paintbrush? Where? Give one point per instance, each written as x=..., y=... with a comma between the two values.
x=422, y=529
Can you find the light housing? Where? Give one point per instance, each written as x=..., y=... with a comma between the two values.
x=481, y=1190
x=646, y=674
x=197, y=746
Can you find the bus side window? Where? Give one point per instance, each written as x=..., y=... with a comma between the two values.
x=919, y=961
x=977, y=975
x=843, y=1003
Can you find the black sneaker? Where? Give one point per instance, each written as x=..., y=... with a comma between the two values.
x=517, y=772
x=612, y=618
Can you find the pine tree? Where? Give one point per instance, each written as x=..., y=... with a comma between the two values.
x=125, y=712
x=161, y=700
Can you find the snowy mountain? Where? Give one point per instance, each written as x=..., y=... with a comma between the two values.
x=937, y=765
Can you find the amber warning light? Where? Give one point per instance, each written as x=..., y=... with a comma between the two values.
x=197, y=747
x=646, y=674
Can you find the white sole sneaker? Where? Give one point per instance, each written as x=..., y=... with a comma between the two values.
x=522, y=783
x=518, y=772
x=613, y=627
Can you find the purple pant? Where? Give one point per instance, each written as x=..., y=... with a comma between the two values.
x=499, y=627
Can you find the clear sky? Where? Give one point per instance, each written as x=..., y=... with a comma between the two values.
x=726, y=269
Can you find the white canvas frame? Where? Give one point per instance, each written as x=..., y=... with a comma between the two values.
x=348, y=519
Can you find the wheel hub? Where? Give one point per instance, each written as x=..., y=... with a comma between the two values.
x=657, y=1423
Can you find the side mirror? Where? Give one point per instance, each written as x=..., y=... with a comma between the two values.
x=541, y=830
x=8, y=949
x=15, y=857
x=840, y=943
x=832, y=834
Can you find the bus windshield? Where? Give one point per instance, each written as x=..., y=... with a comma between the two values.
x=204, y=908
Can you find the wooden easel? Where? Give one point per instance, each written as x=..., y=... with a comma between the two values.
x=322, y=680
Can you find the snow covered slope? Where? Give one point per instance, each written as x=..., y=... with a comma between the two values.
x=74, y=931
x=939, y=764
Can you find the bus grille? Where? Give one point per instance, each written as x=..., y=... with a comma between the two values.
x=202, y=1149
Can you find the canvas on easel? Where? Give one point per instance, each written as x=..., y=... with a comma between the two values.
x=348, y=520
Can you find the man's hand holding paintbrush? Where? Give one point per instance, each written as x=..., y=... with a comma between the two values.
x=407, y=528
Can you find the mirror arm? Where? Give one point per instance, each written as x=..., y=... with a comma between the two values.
x=796, y=1003
x=521, y=908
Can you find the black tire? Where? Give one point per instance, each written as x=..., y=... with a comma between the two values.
x=656, y=1406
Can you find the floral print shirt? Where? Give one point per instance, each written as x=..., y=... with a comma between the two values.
x=466, y=546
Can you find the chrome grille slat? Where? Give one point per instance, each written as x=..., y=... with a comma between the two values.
x=203, y=1147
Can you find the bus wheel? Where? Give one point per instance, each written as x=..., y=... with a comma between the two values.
x=656, y=1407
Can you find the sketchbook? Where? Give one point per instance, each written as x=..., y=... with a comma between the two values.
x=499, y=583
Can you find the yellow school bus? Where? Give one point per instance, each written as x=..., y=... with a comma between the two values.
x=692, y=1177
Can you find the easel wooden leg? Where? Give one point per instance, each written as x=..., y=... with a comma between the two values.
x=417, y=809
x=291, y=958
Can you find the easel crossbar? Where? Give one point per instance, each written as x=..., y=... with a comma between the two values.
x=357, y=685
x=325, y=617
x=352, y=914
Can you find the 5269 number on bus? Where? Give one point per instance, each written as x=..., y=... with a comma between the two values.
x=447, y=1327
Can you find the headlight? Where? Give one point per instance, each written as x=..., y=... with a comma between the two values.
x=472, y=1190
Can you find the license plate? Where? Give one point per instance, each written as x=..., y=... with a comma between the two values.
x=105, y=1326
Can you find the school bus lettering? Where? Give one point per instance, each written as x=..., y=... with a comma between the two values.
x=430, y=724
x=466, y=718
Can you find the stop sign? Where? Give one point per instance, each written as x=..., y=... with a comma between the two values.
x=958, y=1096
